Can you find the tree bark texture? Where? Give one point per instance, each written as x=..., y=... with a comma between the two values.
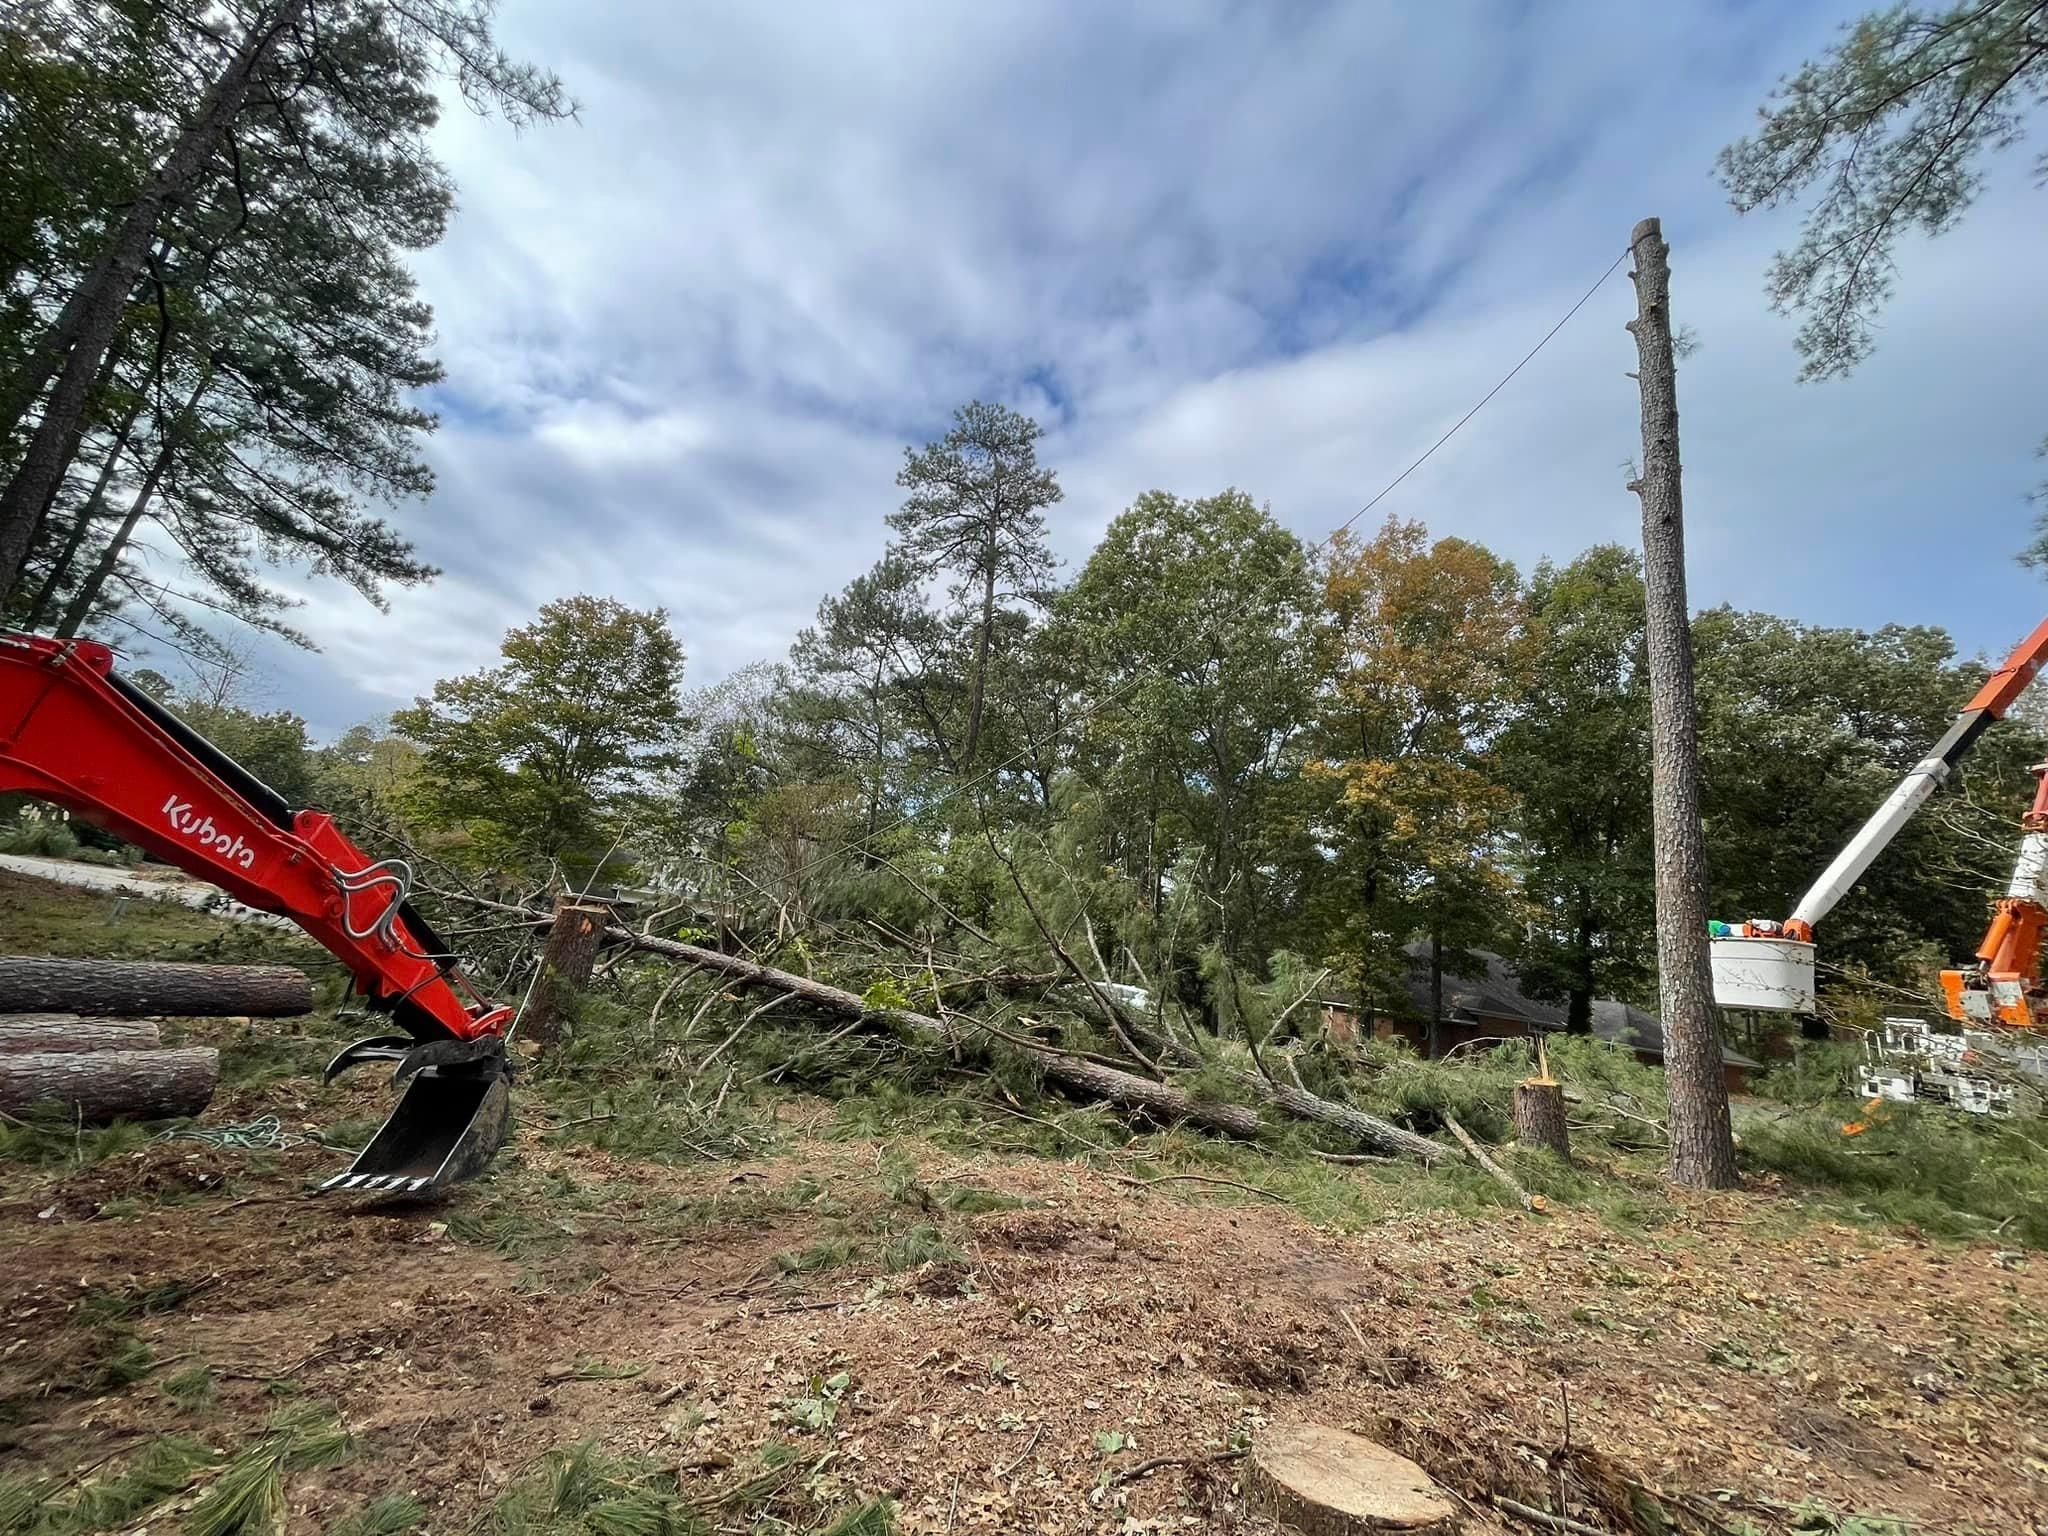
x=1702, y=1141
x=1086, y=1078
x=565, y=967
x=97, y=1086
x=1539, y=1116
x=55, y=1032
x=135, y=988
x=85, y=329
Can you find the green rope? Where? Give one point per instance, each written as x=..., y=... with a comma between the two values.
x=264, y=1134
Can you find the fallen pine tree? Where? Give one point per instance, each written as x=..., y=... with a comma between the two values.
x=1079, y=1073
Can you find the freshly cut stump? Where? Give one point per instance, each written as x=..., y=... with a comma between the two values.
x=1324, y=1482
x=1539, y=1116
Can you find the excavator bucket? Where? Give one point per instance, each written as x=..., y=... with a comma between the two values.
x=453, y=1117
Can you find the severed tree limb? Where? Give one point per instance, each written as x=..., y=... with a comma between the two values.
x=1112, y=1012
x=1543, y=1517
x=1147, y=1468
x=737, y=1029
x=1478, y=1155
x=1368, y=1130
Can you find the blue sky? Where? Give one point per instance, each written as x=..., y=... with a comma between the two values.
x=1280, y=247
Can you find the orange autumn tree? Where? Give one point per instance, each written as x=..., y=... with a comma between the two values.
x=1424, y=649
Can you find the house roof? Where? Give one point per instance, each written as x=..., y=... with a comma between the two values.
x=1491, y=992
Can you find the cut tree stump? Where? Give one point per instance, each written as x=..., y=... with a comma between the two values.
x=1324, y=1482
x=565, y=967
x=69, y=1032
x=111, y=1085
x=134, y=988
x=1539, y=1116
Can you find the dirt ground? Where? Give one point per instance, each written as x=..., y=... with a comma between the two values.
x=1741, y=1371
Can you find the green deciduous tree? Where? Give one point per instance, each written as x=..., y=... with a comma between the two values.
x=1189, y=629
x=531, y=755
x=1803, y=732
x=1424, y=651
x=1577, y=756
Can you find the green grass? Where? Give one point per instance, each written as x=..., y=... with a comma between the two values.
x=390, y=1514
x=43, y=917
x=47, y=1136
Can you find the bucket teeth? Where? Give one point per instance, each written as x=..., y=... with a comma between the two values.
x=364, y=1183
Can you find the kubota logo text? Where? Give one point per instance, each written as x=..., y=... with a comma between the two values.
x=201, y=830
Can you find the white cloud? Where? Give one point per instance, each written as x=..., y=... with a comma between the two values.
x=1276, y=247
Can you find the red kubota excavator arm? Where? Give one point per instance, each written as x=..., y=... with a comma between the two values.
x=73, y=732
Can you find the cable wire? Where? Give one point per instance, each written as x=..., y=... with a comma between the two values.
x=1505, y=380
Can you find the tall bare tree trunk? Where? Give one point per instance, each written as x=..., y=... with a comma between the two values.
x=68, y=454
x=73, y=349
x=1702, y=1143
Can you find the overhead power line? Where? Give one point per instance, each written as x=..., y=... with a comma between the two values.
x=1505, y=379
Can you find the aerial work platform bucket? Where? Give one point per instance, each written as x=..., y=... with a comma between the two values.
x=1774, y=974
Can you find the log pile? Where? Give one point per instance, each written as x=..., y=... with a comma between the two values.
x=79, y=1034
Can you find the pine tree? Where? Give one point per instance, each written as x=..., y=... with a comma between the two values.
x=976, y=511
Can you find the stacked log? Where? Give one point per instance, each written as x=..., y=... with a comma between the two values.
x=127, y=989
x=78, y=1034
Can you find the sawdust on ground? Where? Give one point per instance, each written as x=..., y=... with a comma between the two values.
x=1095, y=1328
